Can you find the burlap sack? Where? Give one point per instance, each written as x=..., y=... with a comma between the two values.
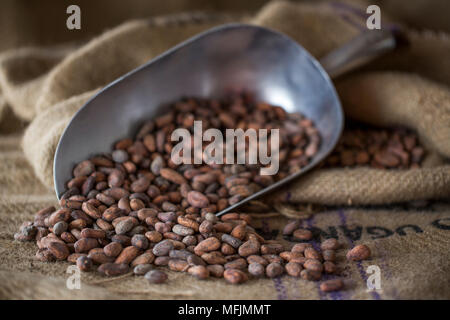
x=48, y=85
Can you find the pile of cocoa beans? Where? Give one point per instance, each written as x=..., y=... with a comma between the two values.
x=395, y=148
x=136, y=210
x=136, y=207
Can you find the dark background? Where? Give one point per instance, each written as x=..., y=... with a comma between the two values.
x=43, y=22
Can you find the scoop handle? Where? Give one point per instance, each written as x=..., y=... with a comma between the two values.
x=360, y=50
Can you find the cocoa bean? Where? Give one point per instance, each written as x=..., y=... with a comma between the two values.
x=153, y=236
x=239, y=232
x=256, y=269
x=60, y=227
x=189, y=223
x=172, y=176
x=232, y=241
x=313, y=264
x=127, y=255
x=274, y=269
x=214, y=257
x=293, y=269
x=215, y=270
x=235, y=276
x=85, y=244
x=332, y=285
x=84, y=263
x=257, y=259
x=124, y=226
x=200, y=272
x=91, y=233
x=140, y=185
x=99, y=257
x=302, y=234
x=182, y=230
x=301, y=247
x=162, y=261
x=195, y=260
x=156, y=277
x=139, y=241
x=249, y=248
x=208, y=245
x=68, y=237
x=45, y=255
x=162, y=248
x=310, y=275
x=178, y=265
x=59, y=250
x=113, y=269
x=119, y=156
x=358, y=253
x=197, y=199
x=113, y=249
x=142, y=269
x=311, y=253
x=84, y=168
x=91, y=210
x=146, y=258
x=239, y=263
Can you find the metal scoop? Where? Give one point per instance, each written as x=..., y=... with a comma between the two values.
x=270, y=65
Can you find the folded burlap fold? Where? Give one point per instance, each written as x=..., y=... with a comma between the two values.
x=53, y=84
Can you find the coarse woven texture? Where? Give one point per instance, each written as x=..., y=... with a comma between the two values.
x=45, y=86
